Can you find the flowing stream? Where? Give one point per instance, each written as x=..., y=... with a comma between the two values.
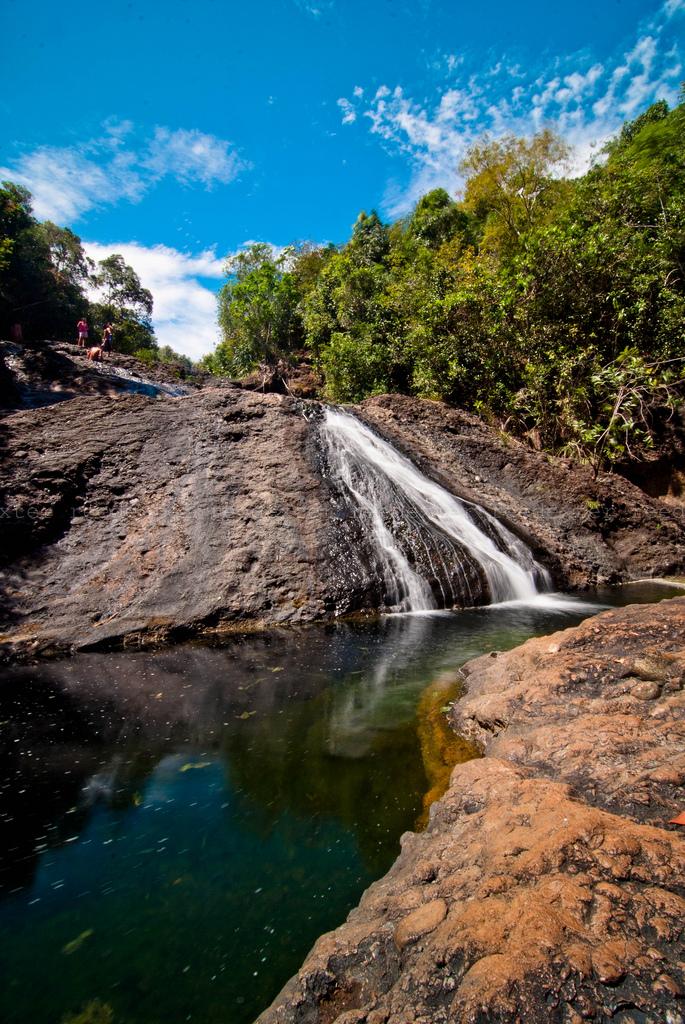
x=431, y=549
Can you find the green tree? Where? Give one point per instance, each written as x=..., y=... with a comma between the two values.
x=370, y=242
x=437, y=219
x=512, y=184
x=125, y=303
x=555, y=306
x=42, y=270
x=259, y=313
x=69, y=262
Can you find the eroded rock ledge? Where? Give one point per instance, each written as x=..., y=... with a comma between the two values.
x=549, y=886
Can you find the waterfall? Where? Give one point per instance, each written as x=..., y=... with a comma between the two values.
x=430, y=549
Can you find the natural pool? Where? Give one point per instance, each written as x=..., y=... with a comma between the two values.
x=178, y=827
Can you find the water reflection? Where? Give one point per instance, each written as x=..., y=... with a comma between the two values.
x=201, y=814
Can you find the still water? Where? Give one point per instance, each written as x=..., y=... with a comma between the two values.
x=178, y=827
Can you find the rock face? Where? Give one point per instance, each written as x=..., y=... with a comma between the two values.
x=44, y=373
x=585, y=530
x=549, y=885
x=158, y=514
x=165, y=517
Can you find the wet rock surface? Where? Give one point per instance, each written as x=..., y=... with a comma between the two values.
x=585, y=530
x=548, y=885
x=131, y=514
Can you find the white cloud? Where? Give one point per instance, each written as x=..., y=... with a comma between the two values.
x=348, y=112
x=453, y=61
x=66, y=182
x=184, y=313
x=192, y=156
x=584, y=100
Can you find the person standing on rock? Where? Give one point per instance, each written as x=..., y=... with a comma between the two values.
x=82, y=328
x=107, y=339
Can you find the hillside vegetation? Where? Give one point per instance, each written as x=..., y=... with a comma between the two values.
x=552, y=305
x=47, y=283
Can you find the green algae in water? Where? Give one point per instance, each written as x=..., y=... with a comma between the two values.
x=93, y=1012
x=171, y=858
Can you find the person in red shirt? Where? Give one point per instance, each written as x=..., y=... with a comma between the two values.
x=82, y=328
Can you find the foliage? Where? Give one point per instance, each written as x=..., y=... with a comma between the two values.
x=258, y=312
x=437, y=219
x=354, y=367
x=166, y=354
x=553, y=305
x=42, y=270
x=153, y=356
x=510, y=186
x=125, y=304
x=44, y=275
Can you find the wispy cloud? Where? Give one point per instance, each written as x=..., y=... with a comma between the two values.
x=583, y=99
x=65, y=182
x=315, y=7
x=68, y=181
x=192, y=156
x=181, y=284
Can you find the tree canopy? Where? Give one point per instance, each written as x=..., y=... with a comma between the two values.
x=258, y=311
x=46, y=280
x=554, y=305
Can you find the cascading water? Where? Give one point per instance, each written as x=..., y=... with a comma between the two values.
x=430, y=548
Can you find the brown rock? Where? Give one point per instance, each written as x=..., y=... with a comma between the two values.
x=664, y=983
x=141, y=519
x=565, y=894
x=646, y=691
x=421, y=921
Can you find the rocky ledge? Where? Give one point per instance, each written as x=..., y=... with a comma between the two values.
x=549, y=885
x=155, y=515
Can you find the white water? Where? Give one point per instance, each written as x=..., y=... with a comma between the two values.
x=394, y=497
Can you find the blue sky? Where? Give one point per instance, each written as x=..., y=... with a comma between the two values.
x=174, y=133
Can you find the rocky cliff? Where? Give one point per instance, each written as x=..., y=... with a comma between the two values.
x=158, y=514
x=549, y=885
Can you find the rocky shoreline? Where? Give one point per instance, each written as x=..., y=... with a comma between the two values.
x=549, y=884
x=132, y=517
